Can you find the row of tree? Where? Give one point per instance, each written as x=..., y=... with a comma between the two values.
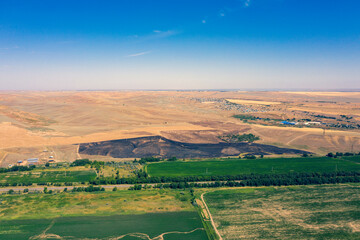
x=17, y=169
x=90, y=188
x=262, y=182
x=14, y=184
x=164, y=179
x=340, y=154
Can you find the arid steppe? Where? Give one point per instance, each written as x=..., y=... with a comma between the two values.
x=38, y=124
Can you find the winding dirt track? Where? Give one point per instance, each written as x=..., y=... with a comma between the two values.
x=45, y=235
x=211, y=218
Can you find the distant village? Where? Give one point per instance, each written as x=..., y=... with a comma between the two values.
x=342, y=121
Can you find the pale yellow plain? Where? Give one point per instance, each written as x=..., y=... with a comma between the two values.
x=31, y=122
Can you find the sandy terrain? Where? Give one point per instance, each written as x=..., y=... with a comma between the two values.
x=33, y=121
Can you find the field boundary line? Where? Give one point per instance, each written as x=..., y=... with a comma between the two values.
x=3, y=157
x=296, y=138
x=210, y=216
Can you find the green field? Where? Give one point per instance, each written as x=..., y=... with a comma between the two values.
x=171, y=225
x=100, y=215
x=352, y=159
x=47, y=176
x=301, y=212
x=240, y=166
x=38, y=206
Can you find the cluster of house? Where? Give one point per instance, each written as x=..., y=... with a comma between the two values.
x=301, y=123
x=28, y=162
x=224, y=104
x=33, y=161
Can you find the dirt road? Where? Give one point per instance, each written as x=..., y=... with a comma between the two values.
x=211, y=218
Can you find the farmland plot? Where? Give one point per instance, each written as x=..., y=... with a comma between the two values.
x=167, y=226
x=301, y=212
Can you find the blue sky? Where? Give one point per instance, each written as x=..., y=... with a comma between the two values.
x=133, y=44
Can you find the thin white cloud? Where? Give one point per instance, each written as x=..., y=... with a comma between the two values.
x=8, y=48
x=246, y=3
x=139, y=54
x=155, y=35
x=164, y=34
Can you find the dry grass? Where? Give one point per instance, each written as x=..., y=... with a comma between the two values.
x=55, y=120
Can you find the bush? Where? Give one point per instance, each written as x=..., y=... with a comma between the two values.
x=81, y=162
x=136, y=187
x=235, y=138
x=339, y=154
x=149, y=159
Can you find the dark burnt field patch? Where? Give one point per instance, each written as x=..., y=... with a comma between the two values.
x=163, y=147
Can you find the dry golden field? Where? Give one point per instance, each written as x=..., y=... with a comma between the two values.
x=40, y=124
x=296, y=212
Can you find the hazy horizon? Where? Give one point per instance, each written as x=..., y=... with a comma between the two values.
x=179, y=45
x=186, y=90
